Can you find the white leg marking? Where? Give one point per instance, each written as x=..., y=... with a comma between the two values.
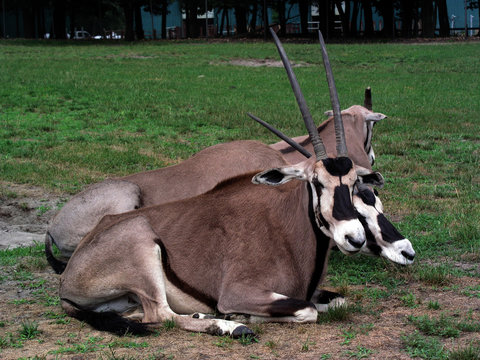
x=336, y=302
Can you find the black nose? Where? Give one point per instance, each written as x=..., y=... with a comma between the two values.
x=355, y=243
x=408, y=256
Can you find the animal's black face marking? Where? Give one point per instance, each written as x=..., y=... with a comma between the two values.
x=367, y=197
x=342, y=204
x=371, y=242
x=319, y=189
x=338, y=166
x=389, y=233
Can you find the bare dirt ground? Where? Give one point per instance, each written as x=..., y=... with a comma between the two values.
x=374, y=332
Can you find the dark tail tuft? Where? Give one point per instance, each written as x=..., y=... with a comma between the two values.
x=108, y=321
x=57, y=265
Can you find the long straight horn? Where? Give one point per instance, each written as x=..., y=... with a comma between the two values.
x=317, y=143
x=337, y=117
x=367, y=102
x=282, y=136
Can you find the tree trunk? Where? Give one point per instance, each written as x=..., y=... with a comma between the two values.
x=228, y=23
x=192, y=29
x=443, y=19
x=428, y=29
x=253, y=21
x=138, y=22
x=28, y=23
x=368, y=18
x=59, y=12
x=241, y=19
x=353, y=22
x=128, y=12
x=282, y=21
x=323, y=11
x=222, y=22
x=303, y=9
x=388, y=14
x=164, y=18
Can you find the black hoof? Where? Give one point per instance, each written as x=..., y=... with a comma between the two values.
x=242, y=331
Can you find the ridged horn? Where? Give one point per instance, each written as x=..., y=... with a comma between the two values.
x=367, y=102
x=337, y=117
x=282, y=136
x=317, y=143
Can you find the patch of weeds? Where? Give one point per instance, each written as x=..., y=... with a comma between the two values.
x=113, y=356
x=443, y=326
x=306, y=345
x=169, y=325
x=2, y=324
x=337, y=313
x=257, y=329
x=24, y=206
x=325, y=356
x=348, y=336
x=126, y=343
x=409, y=300
x=61, y=203
x=22, y=301
x=468, y=326
x=253, y=356
x=435, y=275
x=51, y=300
x=433, y=305
x=53, y=315
x=471, y=352
x=22, y=275
x=29, y=330
x=10, y=341
x=224, y=342
x=6, y=193
x=424, y=347
x=375, y=294
x=246, y=340
x=90, y=345
x=42, y=209
x=472, y=291
x=361, y=353
x=33, y=285
x=364, y=329
x=32, y=263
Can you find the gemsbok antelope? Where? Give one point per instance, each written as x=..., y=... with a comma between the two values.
x=240, y=248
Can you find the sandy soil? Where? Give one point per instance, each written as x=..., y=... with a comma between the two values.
x=375, y=332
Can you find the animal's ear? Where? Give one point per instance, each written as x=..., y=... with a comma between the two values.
x=328, y=113
x=281, y=175
x=375, y=117
x=368, y=177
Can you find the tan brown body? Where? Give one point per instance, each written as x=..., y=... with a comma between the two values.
x=192, y=177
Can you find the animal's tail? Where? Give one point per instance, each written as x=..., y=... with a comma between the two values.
x=57, y=265
x=106, y=321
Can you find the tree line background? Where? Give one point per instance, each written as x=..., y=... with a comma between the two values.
x=98, y=15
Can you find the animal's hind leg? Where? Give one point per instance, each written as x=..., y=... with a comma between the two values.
x=123, y=259
x=324, y=300
x=83, y=211
x=267, y=306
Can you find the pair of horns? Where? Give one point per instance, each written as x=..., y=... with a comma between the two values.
x=317, y=143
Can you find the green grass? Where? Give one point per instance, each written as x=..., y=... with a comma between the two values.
x=75, y=113
x=444, y=326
